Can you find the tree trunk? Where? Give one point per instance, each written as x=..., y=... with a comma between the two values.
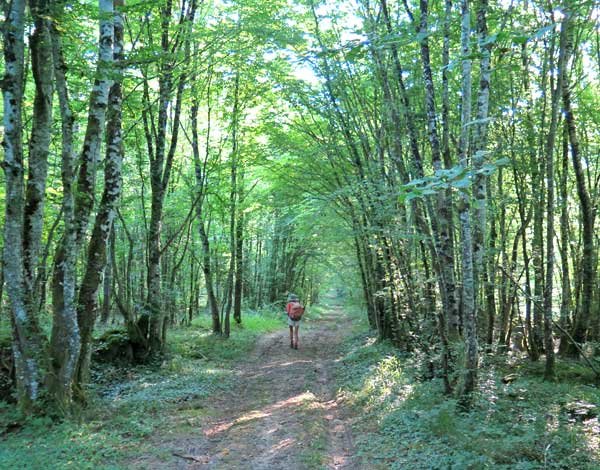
x=232, y=206
x=468, y=296
x=442, y=221
x=41, y=64
x=239, y=262
x=480, y=152
x=87, y=307
x=108, y=282
x=490, y=279
x=439, y=237
x=588, y=261
x=200, y=172
x=28, y=343
x=548, y=286
x=65, y=341
x=565, y=304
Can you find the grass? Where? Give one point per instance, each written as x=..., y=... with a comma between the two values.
x=314, y=449
x=199, y=342
x=316, y=312
x=129, y=404
x=406, y=422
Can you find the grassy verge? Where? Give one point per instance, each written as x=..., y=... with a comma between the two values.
x=407, y=423
x=314, y=452
x=129, y=404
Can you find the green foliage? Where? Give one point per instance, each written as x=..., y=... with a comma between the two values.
x=408, y=424
x=40, y=445
x=457, y=177
x=201, y=343
x=567, y=370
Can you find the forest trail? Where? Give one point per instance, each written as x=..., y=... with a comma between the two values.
x=282, y=412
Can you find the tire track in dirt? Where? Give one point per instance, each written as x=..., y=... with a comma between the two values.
x=281, y=414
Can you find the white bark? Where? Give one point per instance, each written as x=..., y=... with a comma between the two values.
x=442, y=222
x=27, y=342
x=468, y=299
x=479, y=146
x=87, y=310
x=42, y=69
x=65, y=341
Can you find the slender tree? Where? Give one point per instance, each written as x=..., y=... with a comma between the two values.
x=588, y=256
x=87, y=308
x=28, y=345
x=468, y=275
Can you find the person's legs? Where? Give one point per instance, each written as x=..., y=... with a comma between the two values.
x=291, y=336
x=296, y=328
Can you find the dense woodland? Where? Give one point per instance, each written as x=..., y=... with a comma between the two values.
x=165, y=160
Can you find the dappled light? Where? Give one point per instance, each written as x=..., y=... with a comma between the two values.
x=288, y=413
x=315, y=234
x=287, y=405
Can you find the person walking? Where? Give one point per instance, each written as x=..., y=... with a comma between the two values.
x=294, y=310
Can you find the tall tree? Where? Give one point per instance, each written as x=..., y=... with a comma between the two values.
x=66, y=341
x=28, y=343
x=588, y=255
x=468, y=274
x=201, y=181
x=161, y=159
x=87, y=307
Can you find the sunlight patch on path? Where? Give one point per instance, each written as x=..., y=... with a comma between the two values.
x=259, y=414
x=283, y=413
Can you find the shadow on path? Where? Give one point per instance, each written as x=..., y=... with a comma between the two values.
x=281, y=414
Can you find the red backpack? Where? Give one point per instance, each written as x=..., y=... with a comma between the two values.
x=296, y=310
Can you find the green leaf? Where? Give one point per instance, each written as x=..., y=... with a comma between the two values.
x=542, y=31
x=504, y=161
x=356, y=52
x=462, y=183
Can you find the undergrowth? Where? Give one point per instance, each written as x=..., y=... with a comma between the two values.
x=128, y=404
x=406, y=422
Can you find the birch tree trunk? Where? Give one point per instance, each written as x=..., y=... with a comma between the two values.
x=42, y=66
x=480, y=152
x=442, y=222
x=436, y=241
x=108, y=281
x=63, y=294
x=468, y=297
x=28, y=343
x=87, y=307
x=65, y=340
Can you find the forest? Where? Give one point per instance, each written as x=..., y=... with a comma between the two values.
x=423, y=174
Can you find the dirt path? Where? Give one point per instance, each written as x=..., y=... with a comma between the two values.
x=281, y=414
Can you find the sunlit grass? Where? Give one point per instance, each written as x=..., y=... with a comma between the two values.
x=406, y=422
